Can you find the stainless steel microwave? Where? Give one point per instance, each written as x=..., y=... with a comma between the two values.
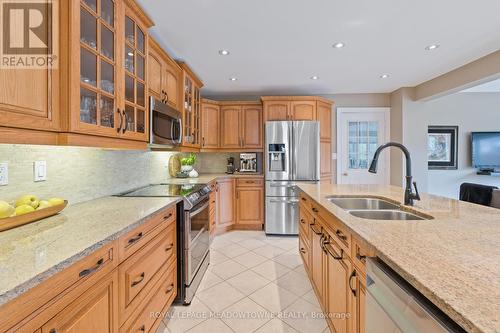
x=165, y=125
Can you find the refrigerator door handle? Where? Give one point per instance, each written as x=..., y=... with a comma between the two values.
x=285, y=201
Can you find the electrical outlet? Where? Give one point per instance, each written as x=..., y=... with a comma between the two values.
x=39, y=171
x=4, y=174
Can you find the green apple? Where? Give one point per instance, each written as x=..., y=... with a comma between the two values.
x=43, y=204
x=24, y=209
x=28, y=199
x=56, y=201
x=6, y=210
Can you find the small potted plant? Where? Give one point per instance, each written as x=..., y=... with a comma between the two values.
x=187, y=164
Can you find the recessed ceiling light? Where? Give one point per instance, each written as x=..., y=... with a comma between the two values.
x=338, y=45
x=314, y=77
x=224, y=52
x=384, y=76
x=233, y=79
x=432, y=47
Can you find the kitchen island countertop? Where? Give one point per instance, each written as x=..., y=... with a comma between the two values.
x=453, y=259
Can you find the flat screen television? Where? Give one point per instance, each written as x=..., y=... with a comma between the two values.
x=486, y=150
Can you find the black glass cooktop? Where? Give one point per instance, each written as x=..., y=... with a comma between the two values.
x=165, y=190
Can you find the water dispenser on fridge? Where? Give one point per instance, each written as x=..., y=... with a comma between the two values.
x=277, y=157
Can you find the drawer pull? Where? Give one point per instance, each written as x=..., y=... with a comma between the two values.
x=52, y=330
x=249, y=182
x=302, y=221
x=142, y=328
x=168, y=216
x=316, y=232
x=302, y=250
x=141, y=278
x=135, y=239
x=304, y=199
x=169, y=289
x=88, y=271
x=314, y=209
x=169, y=247
x=340, y=235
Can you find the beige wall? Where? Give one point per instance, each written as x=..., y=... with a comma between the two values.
x=80, y=174
x=474, y=73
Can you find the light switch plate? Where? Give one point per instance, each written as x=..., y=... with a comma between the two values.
x=4, y=174
x=39, y=171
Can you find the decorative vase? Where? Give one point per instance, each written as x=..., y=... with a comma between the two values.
x=193, y=173
x=186, y=168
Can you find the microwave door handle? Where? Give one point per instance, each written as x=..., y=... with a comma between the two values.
x=180, y=132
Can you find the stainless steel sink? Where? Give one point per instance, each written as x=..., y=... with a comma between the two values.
x=385, y=215
x=362, y=203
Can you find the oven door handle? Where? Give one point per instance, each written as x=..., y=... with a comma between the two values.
x=196, y=212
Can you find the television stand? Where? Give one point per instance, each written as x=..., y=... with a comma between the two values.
x=488, y=172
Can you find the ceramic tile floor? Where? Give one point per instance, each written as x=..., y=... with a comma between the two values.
x=255, y=283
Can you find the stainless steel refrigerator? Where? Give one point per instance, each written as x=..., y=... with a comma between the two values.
x=292, y=154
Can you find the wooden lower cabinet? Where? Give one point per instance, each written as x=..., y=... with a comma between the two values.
x=94, y=311
x=98, y=294
x=250, y=205
x=225, y=204
x=339, y=284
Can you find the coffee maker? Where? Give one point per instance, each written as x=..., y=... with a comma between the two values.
x=230, y=168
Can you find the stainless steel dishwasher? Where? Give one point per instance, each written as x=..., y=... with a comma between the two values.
x=393, y=306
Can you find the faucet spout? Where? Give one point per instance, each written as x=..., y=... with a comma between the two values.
x=409, y=195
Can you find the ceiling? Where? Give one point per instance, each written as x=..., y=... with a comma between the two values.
x=277, y=45
x=492, y=86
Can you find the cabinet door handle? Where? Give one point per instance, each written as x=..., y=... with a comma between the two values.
x=340, y=235
x=353, y=274
x=314, y=209
x=203, y=141
x=169, y=247
x=170, y=288
x=304, y=199
x=316, y=232
x=126, y=122
x=302, y=250
x=142, y=328
x=52, y=330
x=166, y=217
x=135, y=239
x=360, y=257
x=329, y=250
x=302, y=221
x=141, y=278
x=88, y=271
x=121, y=120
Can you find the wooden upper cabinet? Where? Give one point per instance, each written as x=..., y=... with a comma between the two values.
x=210, y=118
x=252, y=126
x=191, y=109
x=155, y=70
x=303, y=110
x=225, y=202
x=164, y=76
x=108, y=62
x=230, y=126
x=96, y=310
x=29, y=98
x=172, y=84
x=324, y=116
x=276, y=110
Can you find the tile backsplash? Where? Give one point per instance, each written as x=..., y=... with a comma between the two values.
x=80, y=174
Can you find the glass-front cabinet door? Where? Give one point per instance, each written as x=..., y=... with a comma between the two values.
x=97, y=90
x=135, y=117
x=191, y=115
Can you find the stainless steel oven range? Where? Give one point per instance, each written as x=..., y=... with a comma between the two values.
x=193, y=239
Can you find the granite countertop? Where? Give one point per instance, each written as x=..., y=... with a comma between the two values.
x=34, y=252
x=453, y=259
x=209, y=177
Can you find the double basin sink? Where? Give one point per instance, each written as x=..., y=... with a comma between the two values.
x=374, y=208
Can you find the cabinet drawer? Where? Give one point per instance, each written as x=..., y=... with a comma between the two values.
x=359, y=252
x=136, y=238
x=304, y=220
x=140, y=268
x=249, y=182
x=304, y=251
x=339, y=233
x=160, y=298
